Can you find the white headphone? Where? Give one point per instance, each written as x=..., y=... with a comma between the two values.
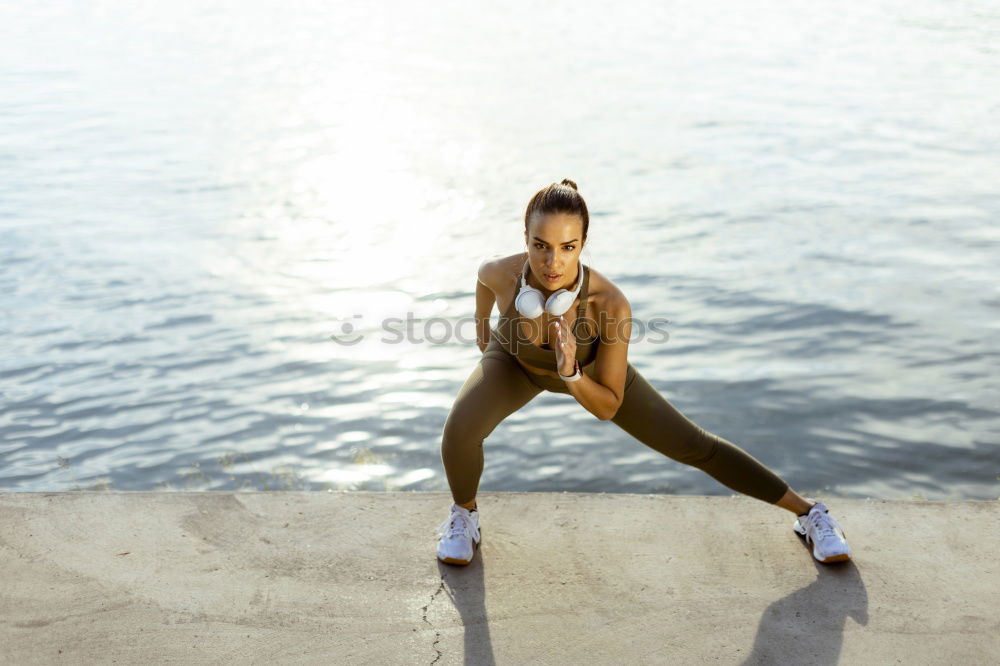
x=530, y=302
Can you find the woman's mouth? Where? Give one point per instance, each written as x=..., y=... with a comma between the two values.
x=550, y=277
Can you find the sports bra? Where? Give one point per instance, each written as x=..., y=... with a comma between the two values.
x=508, y=326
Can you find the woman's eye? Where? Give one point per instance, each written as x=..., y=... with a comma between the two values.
x=538, y=245
x=570, y=248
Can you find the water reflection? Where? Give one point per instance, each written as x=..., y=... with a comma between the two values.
x=191, y=207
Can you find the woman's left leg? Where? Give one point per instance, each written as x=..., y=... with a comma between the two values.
x=650, y=418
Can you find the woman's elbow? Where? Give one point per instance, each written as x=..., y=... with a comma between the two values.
x=609, y=414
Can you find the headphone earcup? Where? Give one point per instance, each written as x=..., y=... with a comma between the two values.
x=529, y=302
x=559, y=302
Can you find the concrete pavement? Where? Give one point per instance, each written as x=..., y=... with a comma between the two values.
x=561, y=578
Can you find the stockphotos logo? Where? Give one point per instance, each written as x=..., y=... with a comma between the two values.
x=443, y=330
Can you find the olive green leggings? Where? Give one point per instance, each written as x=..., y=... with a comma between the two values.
x=499, y=386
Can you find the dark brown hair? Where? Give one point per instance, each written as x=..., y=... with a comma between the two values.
x=558, y=198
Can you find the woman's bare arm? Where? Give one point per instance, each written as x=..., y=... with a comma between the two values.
x=485, y=298
x=603, y=395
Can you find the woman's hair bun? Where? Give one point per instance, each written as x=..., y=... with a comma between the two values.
x=558, y=198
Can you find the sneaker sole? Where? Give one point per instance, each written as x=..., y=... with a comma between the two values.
x=455, y=560
x=843, y=557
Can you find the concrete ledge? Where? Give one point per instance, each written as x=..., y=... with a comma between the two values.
x=561, y=578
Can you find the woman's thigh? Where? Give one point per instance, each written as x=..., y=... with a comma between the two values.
x=650, y=418
x=496, y=388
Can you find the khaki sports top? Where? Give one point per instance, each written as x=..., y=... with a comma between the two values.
x=508, y=327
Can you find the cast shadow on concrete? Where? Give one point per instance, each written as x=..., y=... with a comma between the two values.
x=465, y=586
x=807, y=626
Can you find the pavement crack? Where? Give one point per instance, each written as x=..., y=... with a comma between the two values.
x=437, y=634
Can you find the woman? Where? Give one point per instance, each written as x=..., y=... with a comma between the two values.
x=565, y=328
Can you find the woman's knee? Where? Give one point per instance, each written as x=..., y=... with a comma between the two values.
x=697, y=448
x=494, y=390
x=462, y=429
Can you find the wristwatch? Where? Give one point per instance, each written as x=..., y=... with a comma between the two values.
x=576, y=373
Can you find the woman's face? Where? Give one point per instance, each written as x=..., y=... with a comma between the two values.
x=554, y=242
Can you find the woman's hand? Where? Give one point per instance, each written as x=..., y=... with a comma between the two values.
x=565, y=347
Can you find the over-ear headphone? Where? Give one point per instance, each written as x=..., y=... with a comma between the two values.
x=530, y=302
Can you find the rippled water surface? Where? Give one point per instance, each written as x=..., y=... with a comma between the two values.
x=195, y=196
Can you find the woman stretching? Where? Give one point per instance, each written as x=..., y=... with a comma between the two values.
x=565, y=328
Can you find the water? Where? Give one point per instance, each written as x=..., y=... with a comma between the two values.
x=195, y=197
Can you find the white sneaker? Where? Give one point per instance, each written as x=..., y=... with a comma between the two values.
x=459, y=536
x=824, y=533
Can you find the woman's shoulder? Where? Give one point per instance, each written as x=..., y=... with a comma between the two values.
x=605, y=294
x=500, y=271
x=608, y=305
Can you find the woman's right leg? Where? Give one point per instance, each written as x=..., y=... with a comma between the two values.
x=497, y=387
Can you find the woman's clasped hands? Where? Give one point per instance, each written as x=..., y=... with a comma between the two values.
x=565, y=346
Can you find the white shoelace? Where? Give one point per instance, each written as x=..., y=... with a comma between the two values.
x=455, y=525
x=821, y=525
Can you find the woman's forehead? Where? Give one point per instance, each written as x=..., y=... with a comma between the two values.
x=555, y=224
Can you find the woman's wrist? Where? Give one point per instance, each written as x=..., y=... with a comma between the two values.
x=574, y=375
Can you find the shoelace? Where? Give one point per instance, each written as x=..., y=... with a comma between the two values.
x=822, y=525
x=455, y=525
